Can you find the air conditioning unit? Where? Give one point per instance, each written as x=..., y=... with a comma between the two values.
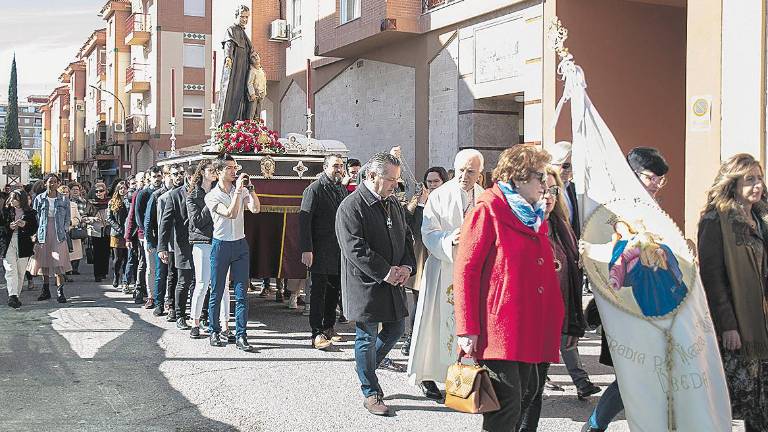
x=79, y=107
x=278, y=30
x=118, y=127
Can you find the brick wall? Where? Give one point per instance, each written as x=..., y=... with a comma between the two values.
x=263, y=12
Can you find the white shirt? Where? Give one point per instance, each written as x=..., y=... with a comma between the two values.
x=51, y=207
x=224, y=228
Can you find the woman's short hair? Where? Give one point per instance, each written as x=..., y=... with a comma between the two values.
x=647, y=158
x=519, y=162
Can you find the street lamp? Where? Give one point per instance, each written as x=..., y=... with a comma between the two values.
x=125, y=135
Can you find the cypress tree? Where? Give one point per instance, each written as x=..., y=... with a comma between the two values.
x=12, y=135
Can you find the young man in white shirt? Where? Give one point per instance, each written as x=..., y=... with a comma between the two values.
x=229, y=249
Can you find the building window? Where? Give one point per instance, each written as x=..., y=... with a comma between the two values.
x=194, y=8
x=194, y=106
x=194, y=56
x=350, y=9
x=295, y=15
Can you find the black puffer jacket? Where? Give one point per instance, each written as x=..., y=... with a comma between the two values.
x=200, y=221
x=116, y=220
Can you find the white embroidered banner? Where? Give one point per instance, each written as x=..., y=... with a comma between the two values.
x=646, y=285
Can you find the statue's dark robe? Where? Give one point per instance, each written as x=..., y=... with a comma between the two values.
x=233, y=93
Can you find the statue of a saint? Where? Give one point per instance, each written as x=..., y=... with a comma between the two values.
x=233, y=94
x=257, y=87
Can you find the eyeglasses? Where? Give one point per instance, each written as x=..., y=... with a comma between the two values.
x=553, y=191
x=566, y=166
x=539, y=176
x=178, y=173
x=653, y=178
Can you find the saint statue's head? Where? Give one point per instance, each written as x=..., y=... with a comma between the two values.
x=242, y=14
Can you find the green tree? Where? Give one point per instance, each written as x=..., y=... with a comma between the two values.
x=2, y=141
x=36, y=168
x=12, y=135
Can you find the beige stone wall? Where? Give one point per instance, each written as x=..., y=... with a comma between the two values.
x=293, y=108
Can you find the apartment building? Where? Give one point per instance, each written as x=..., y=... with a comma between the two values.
x=56, y=136
x=98, y=155
x=30, y=123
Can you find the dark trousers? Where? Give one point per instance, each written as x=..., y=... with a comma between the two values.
x=120, y=261
x=100, y=256
x=75, y=265
x=531, y=403
x=371, y=346
x=412, y=318
x=322, y=306
x=186, y=281
x=510, y=380
x=132, y=263
x=165, y=276
x=141, y=269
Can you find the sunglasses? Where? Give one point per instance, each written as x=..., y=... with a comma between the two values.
x=100, y=190
x=566, y=166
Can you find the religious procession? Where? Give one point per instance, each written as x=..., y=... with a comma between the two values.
x=459, y=243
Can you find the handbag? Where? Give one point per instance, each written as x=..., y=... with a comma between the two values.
x=78, y=233
x=89, y=251
x=468, y=388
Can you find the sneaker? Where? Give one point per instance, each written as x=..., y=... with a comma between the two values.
x=215, y=340
x=158, y=311
x=306, y=311
x=228, y=336
x=14, y=302
x=321, y=342
x=150, y=304
x=195, y=333
x=389, y=365
x=332, y=335
x=375, y=405
x=127, y=289
x=587, y=390
x=293, y=301
x=181, y=324
x=171, y=316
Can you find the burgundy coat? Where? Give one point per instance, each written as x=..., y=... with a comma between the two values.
x=505, y=286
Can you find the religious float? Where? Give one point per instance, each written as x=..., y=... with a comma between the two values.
x=280, y=169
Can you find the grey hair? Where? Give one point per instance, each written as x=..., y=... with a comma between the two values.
x=377, y=164
x=241, y=8
x=328, y=158
x=464, y=155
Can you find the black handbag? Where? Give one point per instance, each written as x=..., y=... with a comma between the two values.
x=89, y=251
x=78, y=233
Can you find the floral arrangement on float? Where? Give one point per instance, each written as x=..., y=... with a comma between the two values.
x=247, y=136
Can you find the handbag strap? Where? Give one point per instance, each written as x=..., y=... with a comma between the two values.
x=463, y=355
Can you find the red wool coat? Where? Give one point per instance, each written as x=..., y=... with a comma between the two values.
x=505, y=286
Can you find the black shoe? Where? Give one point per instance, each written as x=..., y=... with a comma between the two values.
x=300, y=301
x=45, y=294
x=181, y=324
x=587, y=391
x=195, y=333
x=279, y=296
x=138, y=297
x=243, y=345
x=406, y=348
x=75, y=272
x=229, y=336
x=203, y=323
x=158, y=311
x=215, y=340
x=14, y=302
x=116, y=281
x=98, y=279
x=430, y=390
x=342, y=319
x=60, y=294
x=549, y=385
x=171, y=316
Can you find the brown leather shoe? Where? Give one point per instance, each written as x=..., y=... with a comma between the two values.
x=375, y=405
x=332, y=335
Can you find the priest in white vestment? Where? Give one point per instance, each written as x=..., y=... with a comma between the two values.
x=433, y=346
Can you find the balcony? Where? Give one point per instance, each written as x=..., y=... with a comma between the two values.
x=104, y=152
x=137, y=127
x=101, y=71
x=137, y=78
x=137, y=29
x=428, y=5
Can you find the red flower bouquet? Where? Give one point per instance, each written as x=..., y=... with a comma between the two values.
x=247, y=136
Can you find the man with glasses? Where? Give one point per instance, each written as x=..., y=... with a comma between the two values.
x=153, y=180
x=163, y=277
x=650, y=167
x=229, y=249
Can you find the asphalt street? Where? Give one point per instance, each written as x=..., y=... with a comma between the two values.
x=101, y=363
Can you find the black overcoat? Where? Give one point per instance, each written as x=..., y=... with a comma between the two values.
x=368, y=250
x=173, y=228
x=317, y=219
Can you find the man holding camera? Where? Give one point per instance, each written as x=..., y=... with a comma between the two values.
x=229, y=249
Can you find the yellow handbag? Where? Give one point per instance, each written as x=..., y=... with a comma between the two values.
x=468, y=389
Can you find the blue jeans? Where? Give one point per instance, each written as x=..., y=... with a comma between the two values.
x=235, y=257
x=371, y=346
x=608, y=407
x=161, y=280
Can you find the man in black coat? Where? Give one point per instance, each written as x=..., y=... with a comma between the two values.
x=320, y=248
x=377, y=258
x=173, y=230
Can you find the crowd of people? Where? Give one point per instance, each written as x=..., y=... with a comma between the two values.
x=491, y=265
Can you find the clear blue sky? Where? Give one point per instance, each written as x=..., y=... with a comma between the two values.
x=45, y=34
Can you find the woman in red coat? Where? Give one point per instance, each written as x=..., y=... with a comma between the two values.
x=509, y=309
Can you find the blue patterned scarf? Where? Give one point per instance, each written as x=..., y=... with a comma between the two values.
x=529, y=215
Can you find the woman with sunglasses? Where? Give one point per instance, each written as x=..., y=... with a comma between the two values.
x=116, y=217
x=51, y=256
x=98, y=233
x=565, y=247
x=18, y=223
